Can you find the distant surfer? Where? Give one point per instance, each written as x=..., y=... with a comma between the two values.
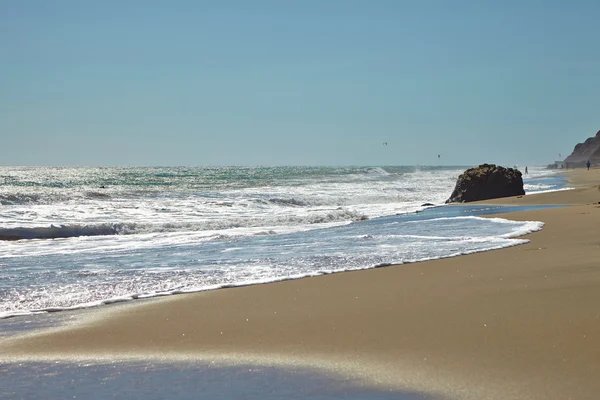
x=526, y=171
x=587, y=164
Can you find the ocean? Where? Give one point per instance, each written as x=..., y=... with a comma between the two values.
x=94, y=236
x=100, y=235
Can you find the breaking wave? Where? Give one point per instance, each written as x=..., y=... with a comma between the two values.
x=49, y=197
x=17, y=199
x=120, y=228
x=288, y=202
x=61, y=231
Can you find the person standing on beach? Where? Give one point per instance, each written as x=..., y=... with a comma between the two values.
x=587, y=164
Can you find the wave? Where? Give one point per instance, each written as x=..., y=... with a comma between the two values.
x=492, y=244
x=61, y=231
x=119, y=228
x=288, y=202
x=378, y=171
x=93, y=194
x=49, y=197
x=18, y=199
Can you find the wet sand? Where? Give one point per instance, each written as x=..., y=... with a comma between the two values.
x=516, y=323
x=181, y=381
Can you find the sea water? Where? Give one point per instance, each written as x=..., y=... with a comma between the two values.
x=93, y=236
x=182, y=381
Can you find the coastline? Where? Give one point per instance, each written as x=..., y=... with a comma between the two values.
x=519, y=323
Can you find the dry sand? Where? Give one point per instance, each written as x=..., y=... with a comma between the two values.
x=516, y=323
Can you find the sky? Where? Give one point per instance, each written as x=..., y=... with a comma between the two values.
x=276, y=82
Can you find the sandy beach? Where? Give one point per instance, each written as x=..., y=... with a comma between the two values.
x=516, y=323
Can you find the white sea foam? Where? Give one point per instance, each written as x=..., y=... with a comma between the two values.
x=318, y=258
x=121, y=234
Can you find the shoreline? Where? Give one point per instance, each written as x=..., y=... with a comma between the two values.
x=441, y=211
x=520, y=322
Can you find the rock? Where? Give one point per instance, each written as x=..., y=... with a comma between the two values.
x=588, y=150
x=487, y=181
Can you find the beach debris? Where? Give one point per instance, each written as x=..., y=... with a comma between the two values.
x=487, y=181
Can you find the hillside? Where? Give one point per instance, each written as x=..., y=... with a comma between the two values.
x=588, y=150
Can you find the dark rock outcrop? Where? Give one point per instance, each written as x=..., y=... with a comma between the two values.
x=588, y=150
x=487, y=181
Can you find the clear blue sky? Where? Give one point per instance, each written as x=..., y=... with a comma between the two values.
x=301, y=82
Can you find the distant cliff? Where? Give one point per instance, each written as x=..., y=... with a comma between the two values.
x=588, y=150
